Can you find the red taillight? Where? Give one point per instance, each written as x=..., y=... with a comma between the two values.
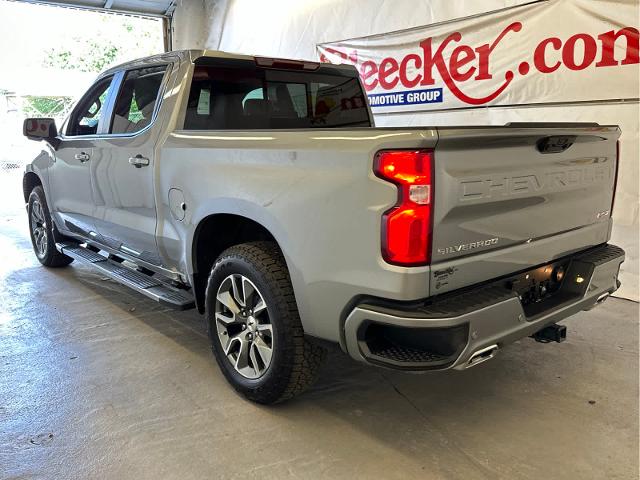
x=406, y=228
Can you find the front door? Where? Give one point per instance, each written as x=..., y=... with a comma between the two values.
x=72, y=204
x=124, y=181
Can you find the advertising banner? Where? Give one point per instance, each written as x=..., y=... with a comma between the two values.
x=548, y=51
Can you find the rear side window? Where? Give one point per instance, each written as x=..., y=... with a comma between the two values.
x=137, y=99
x=239, y=95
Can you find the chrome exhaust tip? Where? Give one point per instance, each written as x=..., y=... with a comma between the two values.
x=599, y=301
x=482, y=355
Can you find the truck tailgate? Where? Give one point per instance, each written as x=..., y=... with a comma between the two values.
x=508, y=198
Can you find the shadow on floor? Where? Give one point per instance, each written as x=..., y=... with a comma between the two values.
x=507, y=417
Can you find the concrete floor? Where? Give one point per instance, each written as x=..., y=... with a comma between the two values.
x=98, y=382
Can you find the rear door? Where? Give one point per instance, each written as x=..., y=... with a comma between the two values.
x=72, y=200
x=124, y=178
x=507, y=198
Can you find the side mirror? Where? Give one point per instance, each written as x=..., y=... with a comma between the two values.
x=41, y=129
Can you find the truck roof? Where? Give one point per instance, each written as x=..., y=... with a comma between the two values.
x=193, y=54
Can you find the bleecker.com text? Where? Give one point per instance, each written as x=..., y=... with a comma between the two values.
x=455, y=63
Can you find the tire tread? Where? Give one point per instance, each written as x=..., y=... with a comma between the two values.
x=54, y=258
x=306, y=357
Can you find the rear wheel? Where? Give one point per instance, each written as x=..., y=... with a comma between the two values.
x=254, y=326
x=42, y=231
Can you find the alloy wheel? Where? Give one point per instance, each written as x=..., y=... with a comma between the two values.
x=39, y=228
x=243, y=326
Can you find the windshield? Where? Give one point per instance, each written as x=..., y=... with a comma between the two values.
x=240, y=95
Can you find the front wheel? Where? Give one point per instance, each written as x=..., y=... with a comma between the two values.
x=254, y=326
x=41, y=230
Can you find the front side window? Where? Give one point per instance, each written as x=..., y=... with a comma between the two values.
x=86, y=116
x=137, y=99
x=240, y=95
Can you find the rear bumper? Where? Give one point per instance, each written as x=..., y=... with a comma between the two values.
x=450, y=331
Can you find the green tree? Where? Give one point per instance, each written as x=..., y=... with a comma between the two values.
x=46, y=106
x=116, y=41
x=107, y=46
x=93, y=57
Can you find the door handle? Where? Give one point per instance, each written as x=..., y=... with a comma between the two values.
x=83, y=157
x=139, y=161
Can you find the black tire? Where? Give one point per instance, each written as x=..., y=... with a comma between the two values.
x=294, y=362
x=45, y=251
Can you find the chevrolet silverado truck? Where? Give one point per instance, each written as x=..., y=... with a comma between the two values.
x=259, y=191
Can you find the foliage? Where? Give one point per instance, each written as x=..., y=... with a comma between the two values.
x=107, y=46
x=53, y=107
x=111, y=40
x=92, y=57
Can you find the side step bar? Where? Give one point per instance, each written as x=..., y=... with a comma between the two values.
x=148, y=285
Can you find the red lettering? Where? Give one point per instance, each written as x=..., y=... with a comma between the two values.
x=465, y=62
x=349, y=58
x=539, y=56
x=460, y=57
x=404, y=65
x=388, y=67
x=608, y=40
x=485, y=50
x=432, y=59
x=483, y=64
x=569, y=51
x=369, y=69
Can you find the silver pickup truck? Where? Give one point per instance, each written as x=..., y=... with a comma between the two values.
x=258, y=191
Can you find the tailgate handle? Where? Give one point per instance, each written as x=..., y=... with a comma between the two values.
x=555, y=144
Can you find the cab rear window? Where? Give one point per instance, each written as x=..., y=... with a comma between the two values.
x=240, y=95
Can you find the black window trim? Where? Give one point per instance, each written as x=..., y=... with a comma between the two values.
x=107, y=113
x=67, y=123
x=214, y=62
x=160, y=95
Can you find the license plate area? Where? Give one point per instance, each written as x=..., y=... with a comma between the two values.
x=541, y=288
